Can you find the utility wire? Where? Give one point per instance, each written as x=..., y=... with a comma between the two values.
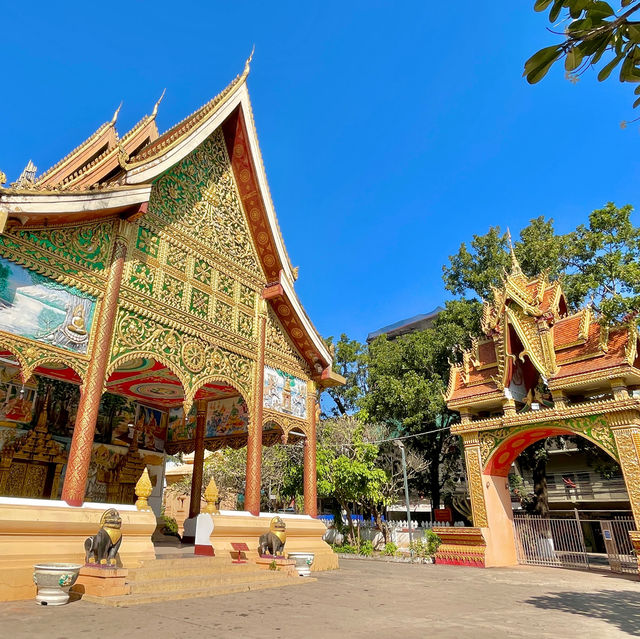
x=392, y=439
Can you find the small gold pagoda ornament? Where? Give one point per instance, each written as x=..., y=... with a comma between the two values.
x=211, y=497
x=143, y=490
x=3, y=178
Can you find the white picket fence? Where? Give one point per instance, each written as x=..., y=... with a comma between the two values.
x=398, y=532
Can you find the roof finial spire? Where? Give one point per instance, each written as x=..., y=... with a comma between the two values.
x=115, y=115
x=247, y=64
x=515, y=265
x=157, y=104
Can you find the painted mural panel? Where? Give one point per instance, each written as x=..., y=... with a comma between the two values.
x=227, y=417
x=37, y=307
x=149, y=423
x=181, y=429
x=285, y=393
x=16, y=399
x=115, y=415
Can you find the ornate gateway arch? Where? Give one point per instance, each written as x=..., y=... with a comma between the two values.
x=539, y=371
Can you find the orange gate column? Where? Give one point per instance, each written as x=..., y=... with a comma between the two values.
x=198, y=460
x=254, y=436
x=75, y=481
x=310, y=472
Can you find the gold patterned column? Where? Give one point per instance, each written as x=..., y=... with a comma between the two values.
x=75, y=481
x=254, y=437
x=473, y=463
x=198, y=459
x=628, y=444
x=310, y=472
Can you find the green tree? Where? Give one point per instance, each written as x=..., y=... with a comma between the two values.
x=594, y=33
x=598, y=261
x=483, y=267
x=347, y=466
x=408, y=378
x=350, y=359
x=603, y=263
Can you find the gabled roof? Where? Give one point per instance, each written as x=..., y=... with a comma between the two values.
x=85, y=185
x=567, y=350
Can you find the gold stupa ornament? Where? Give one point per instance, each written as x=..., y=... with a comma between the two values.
x=211, y=497
x=143, y=490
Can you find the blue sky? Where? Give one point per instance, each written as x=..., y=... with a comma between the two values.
x=391, y=131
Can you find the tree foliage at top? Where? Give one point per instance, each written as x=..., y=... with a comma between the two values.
x=350, y=359
x=595, y=34
x=598, y=261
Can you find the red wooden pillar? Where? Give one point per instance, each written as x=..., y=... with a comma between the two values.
x=75, y=481
x=198, y=459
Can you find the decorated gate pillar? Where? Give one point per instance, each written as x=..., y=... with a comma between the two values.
x=491, y=541
x=626, y=431
x=75, y=482
x=254, y=437
x=310, y=472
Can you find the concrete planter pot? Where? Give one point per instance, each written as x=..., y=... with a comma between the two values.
x=303, y=560
x=54, y=581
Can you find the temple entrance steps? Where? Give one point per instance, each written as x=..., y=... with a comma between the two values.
x=188, y=578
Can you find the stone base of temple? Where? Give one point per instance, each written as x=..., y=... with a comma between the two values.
x=37, y=531
x=101, y=582
x=304, y=534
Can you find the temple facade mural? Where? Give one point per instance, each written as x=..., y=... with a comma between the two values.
x=285, y=393
x=37, y=307
x=227, y=417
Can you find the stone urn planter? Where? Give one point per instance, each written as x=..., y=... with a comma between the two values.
x=303, y=562
x=54, y=581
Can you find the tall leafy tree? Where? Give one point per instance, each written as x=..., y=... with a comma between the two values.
x=350, y=359
x=408, y=377
x=477, y=270
x=347, y=466
x=603, y=262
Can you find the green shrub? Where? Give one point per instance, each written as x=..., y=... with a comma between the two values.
x=346, y=549
x=433, y=542
x=419, y=549
x=425, y=547
x=366, y=548
x=390, y=549
x=170, y=525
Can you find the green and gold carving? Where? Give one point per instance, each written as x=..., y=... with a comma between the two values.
x=592, y=427
x=281, y=350
x=197, y=202
x=193, y=360
x=56, y=267
x=87, y=245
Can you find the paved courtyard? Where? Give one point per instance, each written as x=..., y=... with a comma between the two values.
x=367, y=599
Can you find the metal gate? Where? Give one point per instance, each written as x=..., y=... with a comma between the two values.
x=542, y=541
x=549, y=542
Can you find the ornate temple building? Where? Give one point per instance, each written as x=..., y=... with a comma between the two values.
x=147, y=306
x=539, y=371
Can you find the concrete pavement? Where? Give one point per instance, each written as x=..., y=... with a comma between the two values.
x=367, y=599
